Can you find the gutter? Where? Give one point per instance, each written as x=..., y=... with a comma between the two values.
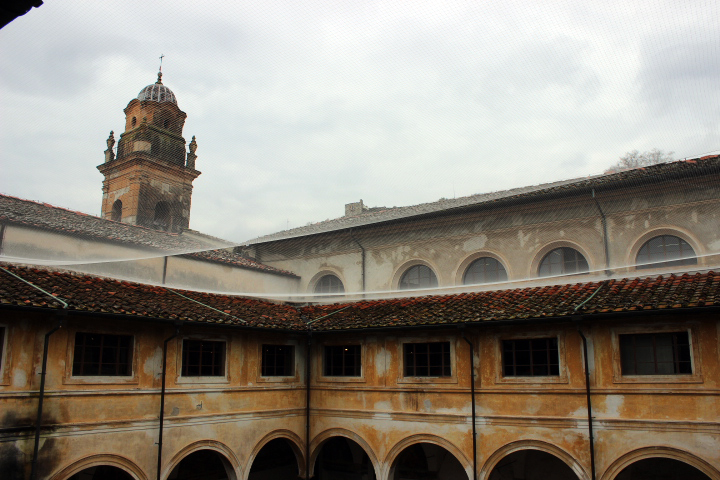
x=43, y=371
x=307, y=404
x=577, y=318
x=603, y=221
x=162, y=401
x=362, y=261
x=472, y=396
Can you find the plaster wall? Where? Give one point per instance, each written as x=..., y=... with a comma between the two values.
x=382, y=410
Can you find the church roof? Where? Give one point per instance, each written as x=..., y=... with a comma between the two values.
x=627, y=178
x=157, y=92
x=104, y=296
x=27, y=213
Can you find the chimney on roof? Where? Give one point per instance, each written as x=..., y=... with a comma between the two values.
x=353, y=209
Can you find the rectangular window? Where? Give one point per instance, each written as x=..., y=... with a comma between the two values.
x=427, y=359
x=278, y=361
x=531, y=357
x=342, y=361
x=203, y=358
x=99, y=354
x=655, y=353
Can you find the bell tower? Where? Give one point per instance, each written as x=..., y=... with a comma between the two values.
x=149, y=181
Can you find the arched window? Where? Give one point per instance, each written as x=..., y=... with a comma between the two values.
x=563, y=261
x=418, y=276
x=665, y=251
x=162, y=216
x=329, y=284
x=117, y=211
x=485, y=270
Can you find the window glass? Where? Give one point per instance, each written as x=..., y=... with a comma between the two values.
x=562, y=261
x=278, y=361
x=427, y=359
x=535, y=357
x=418, y=276
x=485, y=270
x=342, y=361
x=329, y=284
x=203, y=358
x=655, y=354
x=98, y=354
x=665, y=251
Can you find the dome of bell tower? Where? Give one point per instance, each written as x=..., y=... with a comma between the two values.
x=157, y=92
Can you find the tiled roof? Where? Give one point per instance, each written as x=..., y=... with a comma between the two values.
x=634, y=177
x=613, y=296
x=49, y=217
x=85, y=293
x=106, y=296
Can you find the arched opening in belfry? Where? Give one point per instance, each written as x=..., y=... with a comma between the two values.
x=276, y=460
x=205, y=464
x=427, y=461
x=117, y=211
x=660, y=469
x=531, y=465
x=161, y=220
x=341, y=457
x=102, y=472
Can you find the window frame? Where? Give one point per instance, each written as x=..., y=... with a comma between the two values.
x=466, y=269
x=316, y=284
x=406, y=269
x=324, y=364
x=665, y=264
x=563, y=248
x=695, y=354
x=561, y=378
x=71, y=379
x=200, y=379
x=403, y=379
x=295, y=374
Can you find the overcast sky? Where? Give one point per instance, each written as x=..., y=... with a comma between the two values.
x=301, y=107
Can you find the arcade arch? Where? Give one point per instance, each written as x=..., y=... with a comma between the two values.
x=278, y=457
x=660, y=463
x=102, y=466
x=532, y=460
x=427, y=457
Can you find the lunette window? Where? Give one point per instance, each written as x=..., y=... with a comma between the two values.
x=531, y=357
x=329, y=284
x=100, y=354
x=427, y=359
x=666, y=353
x=418, y=276
x=563, y=261
x=342, y=361
x=665, y=251
x=485, y=270
x=278, y=361
x=203, y=358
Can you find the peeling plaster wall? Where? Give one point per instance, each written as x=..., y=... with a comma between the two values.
x=518, y=236
x=381, y=410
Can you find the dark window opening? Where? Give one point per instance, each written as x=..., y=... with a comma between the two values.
x=418, y=276
x=427, y=359
x=133, y=122
x=535, y=357
x=203, y=358
x=329, y=284
x=117, y=211
x=665, y=251
x=102, y=354
x=162, y=216
x=342, y=361
x=656, y=354
x=278, y=361
x=485, y=270
x=563, y=261
x=2, y=345
x=166, y=123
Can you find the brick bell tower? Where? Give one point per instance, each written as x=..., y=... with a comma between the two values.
x=149, y=182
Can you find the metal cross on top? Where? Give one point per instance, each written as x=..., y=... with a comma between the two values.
x=162, y=55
